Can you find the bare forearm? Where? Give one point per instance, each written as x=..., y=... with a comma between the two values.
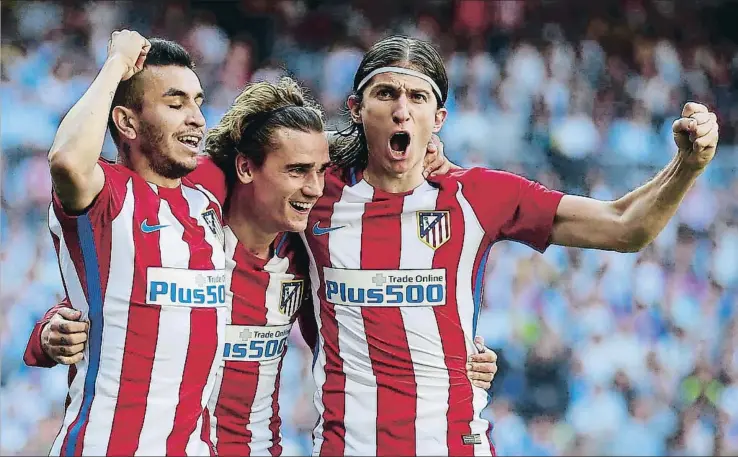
x=79, y=139
x=646, y=210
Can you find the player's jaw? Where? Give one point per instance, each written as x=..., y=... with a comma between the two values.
x=172, y=157
x=297, y=211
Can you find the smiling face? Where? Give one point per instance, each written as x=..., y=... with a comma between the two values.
x=170, y=124
x=283, y=190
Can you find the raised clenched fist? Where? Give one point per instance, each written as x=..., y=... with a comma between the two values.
x=131, y=49
x=696, y=135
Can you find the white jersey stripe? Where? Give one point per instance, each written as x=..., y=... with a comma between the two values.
x=75, y=393
x=473, y=238
x=76, y=295
x=174, y=332
x=319, y=359
x=261, y=409
x=174, y=250
x=119, y=285
x=274, y=289
x=229, y=253
x=423, y=335
x=197, y=200
x=209, y=194
x=361, y=384
x=93, y=313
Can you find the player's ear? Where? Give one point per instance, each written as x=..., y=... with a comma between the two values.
x=354, y=106
x=244, y=169
x=440, y=118
x=126, y=122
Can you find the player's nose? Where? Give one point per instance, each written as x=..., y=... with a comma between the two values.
x=196, y=118
x=313, y=186
x=401, y=110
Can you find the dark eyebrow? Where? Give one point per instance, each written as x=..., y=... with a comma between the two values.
x=172, y=92
x=419, y=91
x=384, y=86
x=299, y=165
x=392, y=87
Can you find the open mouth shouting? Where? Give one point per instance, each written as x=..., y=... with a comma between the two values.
x=399, y=144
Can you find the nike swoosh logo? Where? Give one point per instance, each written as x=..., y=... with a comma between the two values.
x=317, y=230
x=146, y=228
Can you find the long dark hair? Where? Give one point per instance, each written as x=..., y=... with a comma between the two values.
x=348, y=146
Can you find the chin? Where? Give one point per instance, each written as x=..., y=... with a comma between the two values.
x=190, y=163
x=298, y=226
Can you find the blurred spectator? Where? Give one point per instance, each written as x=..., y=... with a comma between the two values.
x=600, y=353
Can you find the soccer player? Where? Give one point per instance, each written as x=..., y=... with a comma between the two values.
x=273, y=152
x=140, y=257
x=397, y=261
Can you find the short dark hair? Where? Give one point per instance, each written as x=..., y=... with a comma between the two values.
x=130, y=93
x=349, y=148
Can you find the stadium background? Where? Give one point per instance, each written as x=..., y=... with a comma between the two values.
x=601, y=353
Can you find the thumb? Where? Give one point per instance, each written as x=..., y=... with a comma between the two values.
x=479, y=343
x=432, y=148
x=684, y=125
x=70, y=314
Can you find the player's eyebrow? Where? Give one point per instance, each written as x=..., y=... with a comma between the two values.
x=174, y=92
x=300, y=165
x=384, y=85
x=395, y=87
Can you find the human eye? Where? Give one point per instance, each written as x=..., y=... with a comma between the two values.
x=384, y=93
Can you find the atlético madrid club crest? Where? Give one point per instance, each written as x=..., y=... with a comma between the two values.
x=290, y=297
x=211, y=220
x=434, y=227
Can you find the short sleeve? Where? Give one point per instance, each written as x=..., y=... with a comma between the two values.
x=512, y=207
x=210, y=177
x=107, y=203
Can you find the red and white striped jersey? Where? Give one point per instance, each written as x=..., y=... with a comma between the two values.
x=398, y=279
x=145, y=265
x=264, y=297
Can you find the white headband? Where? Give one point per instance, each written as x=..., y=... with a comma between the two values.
x=402, y=71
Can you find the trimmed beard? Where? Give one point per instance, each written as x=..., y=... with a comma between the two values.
x=153, y=147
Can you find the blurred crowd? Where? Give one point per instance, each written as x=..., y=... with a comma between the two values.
x=600, y=353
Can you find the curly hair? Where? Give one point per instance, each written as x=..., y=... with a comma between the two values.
x=249, y=124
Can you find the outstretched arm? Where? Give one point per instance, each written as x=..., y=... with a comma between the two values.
x=633, y=221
